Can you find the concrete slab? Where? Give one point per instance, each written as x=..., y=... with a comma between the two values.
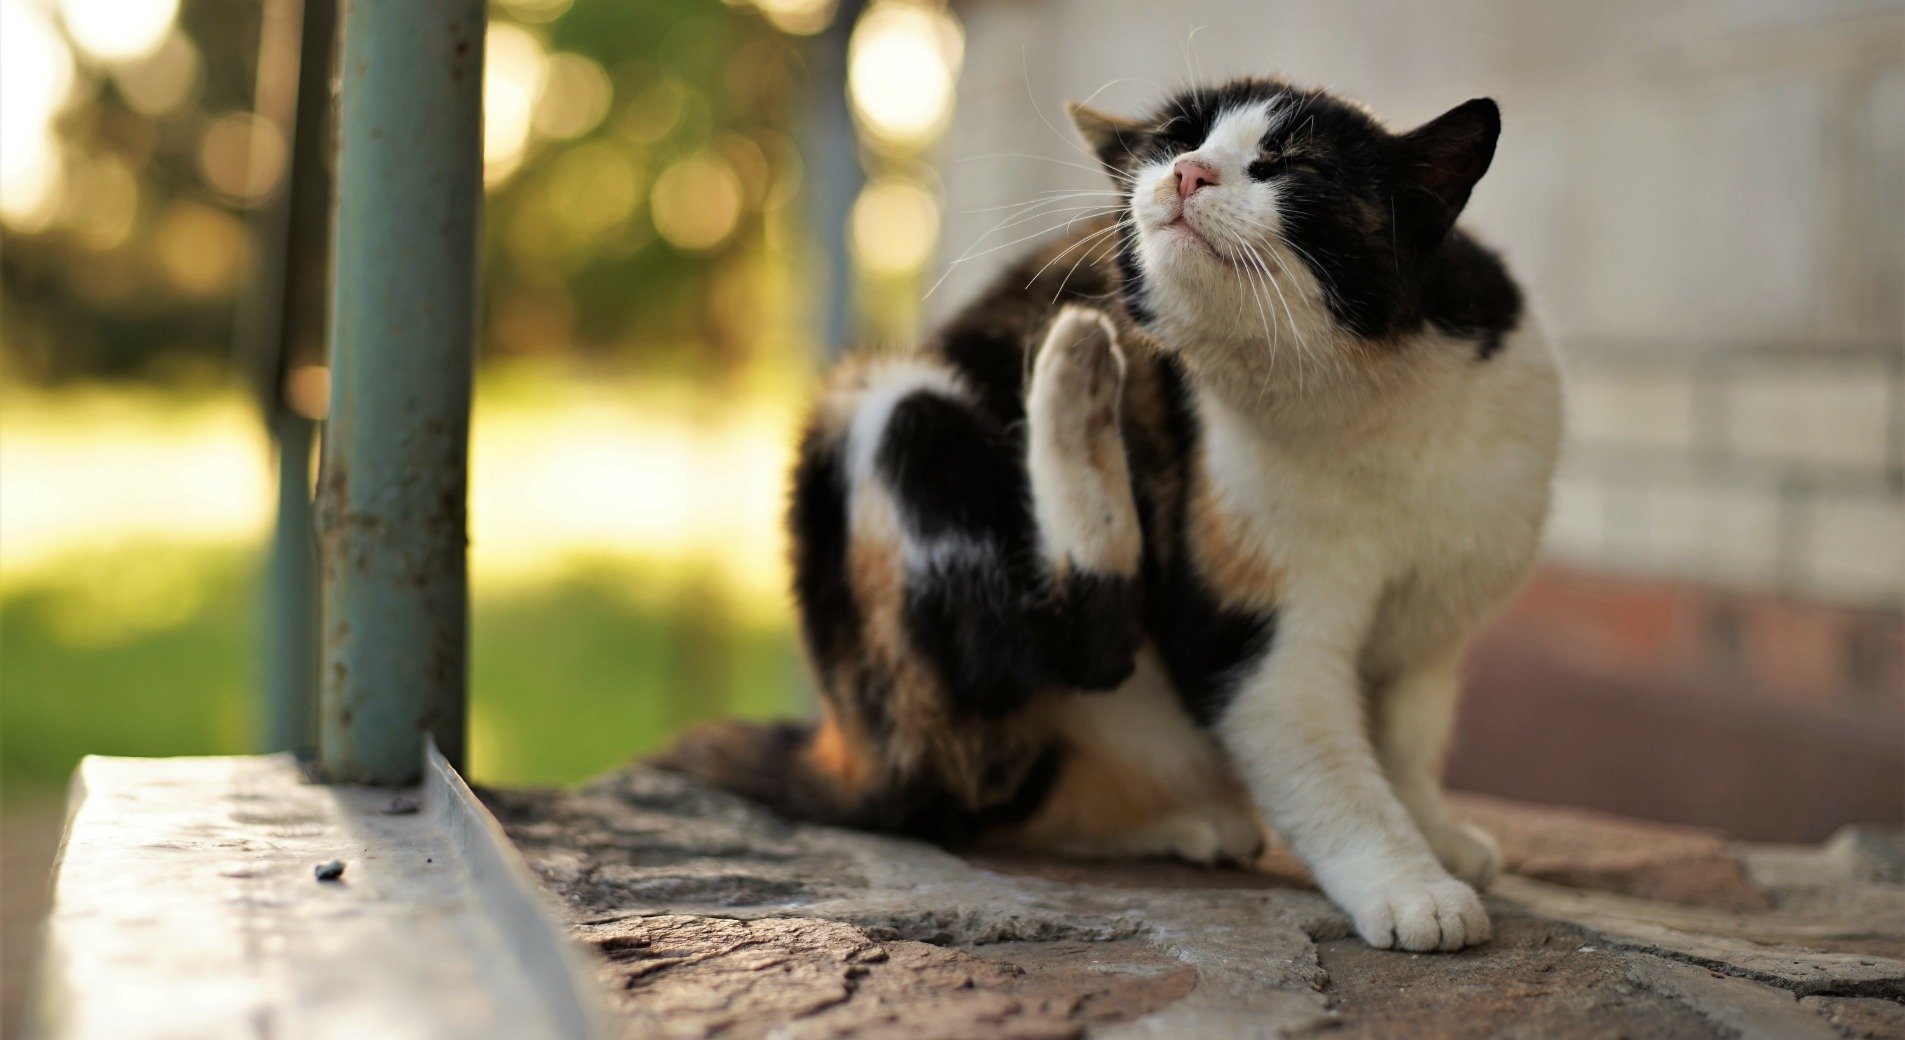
x=186, y=904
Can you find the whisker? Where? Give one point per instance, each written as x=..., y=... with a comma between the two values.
x=1061, y=253
x=1067, y=280
x=1103, y=169
x=970, y=255
x=1052, y=196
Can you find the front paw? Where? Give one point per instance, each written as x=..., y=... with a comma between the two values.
x=1443, y=914
x=1467, y=852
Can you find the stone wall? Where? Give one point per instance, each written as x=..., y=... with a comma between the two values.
x=1706, y=200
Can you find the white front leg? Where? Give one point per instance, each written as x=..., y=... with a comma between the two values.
x=1297, y=734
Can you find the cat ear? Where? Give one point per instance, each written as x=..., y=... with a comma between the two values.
x=1112, y=138
x=1439, y=163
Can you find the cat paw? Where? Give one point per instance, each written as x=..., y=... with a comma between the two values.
x=1205, y=836
x=1213, y=838
x=1080, y=367
x=1081, y=485
x=1467, y=852
x=1444, y=914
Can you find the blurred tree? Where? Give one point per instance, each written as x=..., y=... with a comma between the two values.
x=639, y=162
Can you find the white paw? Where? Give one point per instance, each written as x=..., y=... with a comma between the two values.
x=1081, y=485
x=1437, y=915
x=1080, y=365
x=1467, y=852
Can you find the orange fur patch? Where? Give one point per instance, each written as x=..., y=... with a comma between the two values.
x=1236, y=567
x=839, y=756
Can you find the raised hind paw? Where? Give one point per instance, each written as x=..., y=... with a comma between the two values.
x=1081, y=485
x=1080, y=369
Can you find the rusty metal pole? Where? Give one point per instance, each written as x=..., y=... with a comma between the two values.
x=281, y=327
x=393, y=484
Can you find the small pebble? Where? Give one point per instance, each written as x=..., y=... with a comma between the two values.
x=330, y=871
x=401, y=805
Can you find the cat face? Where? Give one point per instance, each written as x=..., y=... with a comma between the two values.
x=1260, y=213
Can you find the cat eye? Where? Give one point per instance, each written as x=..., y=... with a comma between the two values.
x=1180, y=128
x=1264, y=169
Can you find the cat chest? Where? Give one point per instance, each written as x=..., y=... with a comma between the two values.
x=1255, y=517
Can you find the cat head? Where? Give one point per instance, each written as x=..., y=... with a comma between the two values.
x=1259, y=212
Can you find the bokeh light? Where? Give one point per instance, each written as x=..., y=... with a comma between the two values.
x=901, y=66
x=515, y=70
x=697, y=201
x=307, y=389
x=200, y=249
x=162, y=82
x=592, y=191
x=243, y=156
x=895, y=223
x=800, y=17
x=36, y=78
x=537, y=12
x=118, y=30
x=576, y=95
x=655, y=111
x=102, y=202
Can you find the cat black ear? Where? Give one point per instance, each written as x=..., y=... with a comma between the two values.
x=1439, y=163
x=1112, y=138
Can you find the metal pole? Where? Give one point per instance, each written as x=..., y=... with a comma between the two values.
x=834, y=176
x=291, y=603
x=282, y=327
x=393, y=485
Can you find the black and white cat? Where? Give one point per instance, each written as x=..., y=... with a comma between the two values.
x=1152, y=538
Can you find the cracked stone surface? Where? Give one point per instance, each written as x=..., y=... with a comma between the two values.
x=714, y=918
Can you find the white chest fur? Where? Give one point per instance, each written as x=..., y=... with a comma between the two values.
x=1431, y=489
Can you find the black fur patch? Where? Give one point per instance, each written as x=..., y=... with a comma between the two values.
x=954, y=473
x=984, y=614
x=817, y=516
x=923, y=809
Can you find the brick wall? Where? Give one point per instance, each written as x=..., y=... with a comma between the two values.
x=1770, y=468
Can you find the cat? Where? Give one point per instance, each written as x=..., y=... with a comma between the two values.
x=1187, y=519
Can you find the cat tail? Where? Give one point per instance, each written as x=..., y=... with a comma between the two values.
x=787, y=766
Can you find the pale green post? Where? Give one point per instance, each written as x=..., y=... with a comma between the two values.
x=393, y=485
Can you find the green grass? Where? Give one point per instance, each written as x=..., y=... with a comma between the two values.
x=154, y=651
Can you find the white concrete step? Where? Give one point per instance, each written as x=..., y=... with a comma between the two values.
x=186, y=904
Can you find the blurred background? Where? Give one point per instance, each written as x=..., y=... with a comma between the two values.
x=691, y=203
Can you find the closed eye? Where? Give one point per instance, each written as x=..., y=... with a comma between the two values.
x=1264, y=169
x=1180, y=128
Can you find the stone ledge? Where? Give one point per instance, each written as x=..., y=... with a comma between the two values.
x=713, y=917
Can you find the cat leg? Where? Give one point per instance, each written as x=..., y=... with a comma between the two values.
x=1296, y=733
x=1414, y=716
x=979, y=598
x=1081, y=485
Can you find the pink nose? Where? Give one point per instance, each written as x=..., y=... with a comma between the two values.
x=1192, y=175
